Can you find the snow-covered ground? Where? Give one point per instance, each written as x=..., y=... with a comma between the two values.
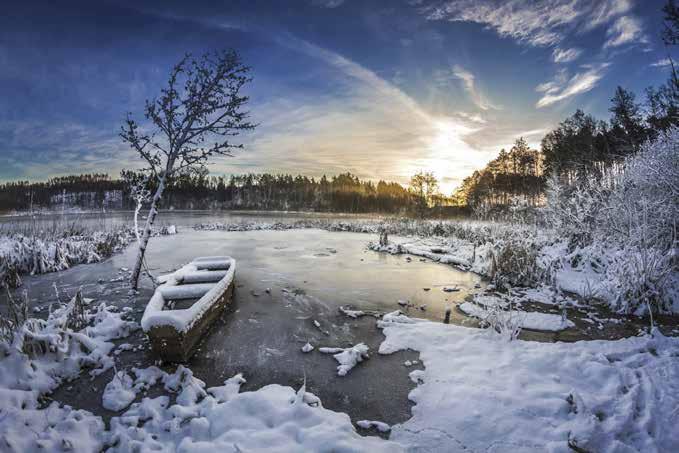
x=273, y=418
x=479, y=392
x=523, y=319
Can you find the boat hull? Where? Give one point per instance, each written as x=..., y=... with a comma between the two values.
x=174, y=346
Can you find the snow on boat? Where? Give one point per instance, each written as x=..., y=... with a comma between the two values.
x=184, y=307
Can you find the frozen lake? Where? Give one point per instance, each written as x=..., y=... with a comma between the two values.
x=310, y=274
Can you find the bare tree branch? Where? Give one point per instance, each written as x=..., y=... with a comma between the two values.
x=195, y=117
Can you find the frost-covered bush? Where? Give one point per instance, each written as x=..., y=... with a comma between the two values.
x=40, y=252
x=35, y=255
x=39, y=354
x=643, y=208
x=633, y=213
x=573, y=210
x=506, y=323
x=514, y=261
x=640, y=217
x=640, y=278
x=14, y=319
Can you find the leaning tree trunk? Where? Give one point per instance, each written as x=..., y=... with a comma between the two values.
x=153, y=211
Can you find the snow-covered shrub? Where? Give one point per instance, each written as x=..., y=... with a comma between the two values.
x=640, y=218
x=514, y=262
x=572, y=210
x=507, y=323
x=40, y=252
x=42, y=353
x=632, y=213
x=17, y=314
x=643, y=209
x=640, y=279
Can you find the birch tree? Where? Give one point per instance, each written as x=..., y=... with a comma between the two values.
x=196, y=116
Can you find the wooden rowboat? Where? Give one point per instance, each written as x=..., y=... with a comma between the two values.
x=186, y=304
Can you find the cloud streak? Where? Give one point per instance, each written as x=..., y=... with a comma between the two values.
x=565, y=55
x=563, y=87
x=544, y=23
x=327, y=3
x=625, y=30
x=661, y=63
x=469, y=84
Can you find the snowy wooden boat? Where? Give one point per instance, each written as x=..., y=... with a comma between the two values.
x=186, y=304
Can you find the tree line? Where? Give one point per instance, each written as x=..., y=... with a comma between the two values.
x=199, y=190
x=265, y=191
x=86, y=190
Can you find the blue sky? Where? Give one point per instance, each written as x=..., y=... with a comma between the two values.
x=379, y=88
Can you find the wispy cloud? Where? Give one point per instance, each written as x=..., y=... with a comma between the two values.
x=327, y=3
x=661, y=63
x=543, y=22
x=565, y=55
x=605, y=11
x=472, y=117
x=562, y=87
x=534, y=23
x=625, y=30
x=468, y=82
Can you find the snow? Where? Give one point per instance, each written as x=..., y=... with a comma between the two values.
x=25, y=425
x=367, y=424
x=118, y=393
x=307, y=348
x=183, y=319
x=397, y=316
x=172, y=229
x=273, y=418
x=347, y=358
x=66, y=352
x=526, y=320
x=202, y=277
x=45, y=252
x=479, y=392
x=351, y=313
x=490, y=301
x=227, y=391
x=25, y=428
